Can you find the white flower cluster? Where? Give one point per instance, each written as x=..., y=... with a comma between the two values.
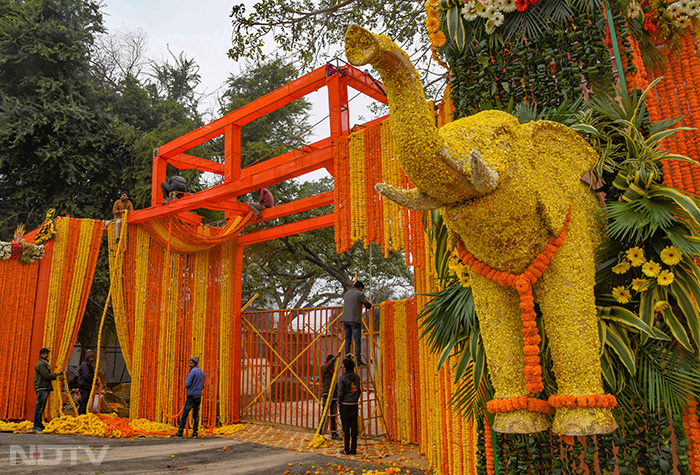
x=30, y=253
x=634, y=9
x=5, y=250
x=491, y=10
x=683, y=12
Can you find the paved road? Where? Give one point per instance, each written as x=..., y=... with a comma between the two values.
x=80, y=455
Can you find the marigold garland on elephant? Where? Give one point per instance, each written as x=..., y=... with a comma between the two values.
x=513, y=195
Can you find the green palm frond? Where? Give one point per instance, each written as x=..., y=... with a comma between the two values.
x=668, y=376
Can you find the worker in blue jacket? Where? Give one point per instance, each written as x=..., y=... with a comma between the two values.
x=194, y=385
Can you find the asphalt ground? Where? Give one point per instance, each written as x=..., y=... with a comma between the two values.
x=80, y=455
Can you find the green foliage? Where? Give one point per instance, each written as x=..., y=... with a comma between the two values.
x=315, y=31
x=306, y=271
x=536, y=57
x=56, y=142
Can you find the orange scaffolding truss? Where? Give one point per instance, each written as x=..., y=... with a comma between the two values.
x=236, y=181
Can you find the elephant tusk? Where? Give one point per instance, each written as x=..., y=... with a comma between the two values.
x=455, y=216
x=411, y=199
x=484, y=178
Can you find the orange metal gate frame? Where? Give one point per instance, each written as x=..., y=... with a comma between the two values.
x=288, y=366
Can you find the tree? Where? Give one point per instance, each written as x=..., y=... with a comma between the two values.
x=313, y=32
x=279, y=131
x=58, y=142
x=306, y=271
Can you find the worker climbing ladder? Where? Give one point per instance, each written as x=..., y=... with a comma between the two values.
x=371, y=403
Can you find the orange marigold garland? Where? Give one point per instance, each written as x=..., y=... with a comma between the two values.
x=692, y=430
x=606, y=401
x=523, y=284
x=519, y=403
x=488, y=446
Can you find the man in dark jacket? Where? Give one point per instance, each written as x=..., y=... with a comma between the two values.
x=86, y=373
x=194, y=385
x=327, y=371
x=42, y=385
x=353, y=301
x=349, y=394
x=174, y=183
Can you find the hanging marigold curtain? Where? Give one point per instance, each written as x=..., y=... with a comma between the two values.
x=363, y=159
x=171, y=305
x=676, y=95
x=18, y=283
x=76, y=247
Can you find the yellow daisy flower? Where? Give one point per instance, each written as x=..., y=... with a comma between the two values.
x=660, y=306
x=671, y=256
x=636, y=256
x=665, y=277
x=621, y=268
x=651, y=269
x=638, y=284
x=621, y=294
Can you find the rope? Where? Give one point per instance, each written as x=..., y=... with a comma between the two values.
x=99, y=346
x=72, y=402
x=319, y=440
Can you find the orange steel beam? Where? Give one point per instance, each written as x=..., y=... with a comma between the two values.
x=268, y=173
x=280, y=210
x=270, y=102
x=304, y=204
x=361, y=82
x=184, y=161
x=157, y=177
x=290, y=229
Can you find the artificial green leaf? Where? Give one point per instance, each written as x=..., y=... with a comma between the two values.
x=621, y=345
x=455, y=27
x=629, y=319
x=676, y=328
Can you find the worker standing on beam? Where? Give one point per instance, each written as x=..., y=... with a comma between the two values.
x=266, y=201
x=174, y=183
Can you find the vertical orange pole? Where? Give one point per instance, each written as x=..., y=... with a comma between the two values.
x=237, y=333
x=159, y=169
x=338, y=105
x=232, y=155
x=40, y=302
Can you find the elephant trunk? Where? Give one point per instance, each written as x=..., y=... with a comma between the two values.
x=420, y=148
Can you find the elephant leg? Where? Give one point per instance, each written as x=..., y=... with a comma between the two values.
x=566, y=299
x=501, y=331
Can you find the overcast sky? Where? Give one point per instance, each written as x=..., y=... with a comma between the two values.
x=202, y=30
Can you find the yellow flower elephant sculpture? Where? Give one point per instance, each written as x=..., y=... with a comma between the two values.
x=528, y=229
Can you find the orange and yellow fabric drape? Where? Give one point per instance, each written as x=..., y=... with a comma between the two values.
x=73, y=261
x=171, y=304
x=18, y=283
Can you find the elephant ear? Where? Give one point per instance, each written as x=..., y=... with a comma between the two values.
x=559, y=160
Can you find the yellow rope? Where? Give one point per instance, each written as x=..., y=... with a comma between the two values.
x=70, y=397
x=319, y=440
x=99, y=347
